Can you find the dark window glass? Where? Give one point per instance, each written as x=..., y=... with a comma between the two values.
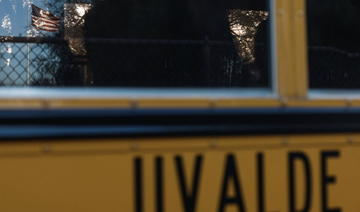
x=334, y=46
x=136, y=43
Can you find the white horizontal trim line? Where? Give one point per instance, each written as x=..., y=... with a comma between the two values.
x=334, y=94
x=134, y=93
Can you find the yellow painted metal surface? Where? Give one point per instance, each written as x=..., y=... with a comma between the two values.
x=292, y=50
x=88, y=103
x=318, y=103
x=104, y=103
x=241, y=103
x=285, y=39
x=173, y=103
x=21, y=103
x=301, y=81
x=232, y=173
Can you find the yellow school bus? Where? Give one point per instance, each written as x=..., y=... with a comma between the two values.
x=286, y=148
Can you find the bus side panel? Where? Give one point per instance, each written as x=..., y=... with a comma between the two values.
x=317, y=173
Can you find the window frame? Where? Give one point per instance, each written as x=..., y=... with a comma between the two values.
x=282, y=88
x=304, y=96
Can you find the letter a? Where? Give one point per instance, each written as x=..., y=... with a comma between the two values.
x=231, y=175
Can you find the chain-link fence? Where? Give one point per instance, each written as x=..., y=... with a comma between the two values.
x=27, y=61
x=129, y=63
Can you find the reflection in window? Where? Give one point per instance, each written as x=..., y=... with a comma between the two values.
x=140, y=44
x=74, y=22
x=244, y=26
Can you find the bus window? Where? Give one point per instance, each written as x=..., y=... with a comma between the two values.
x=128, y=43
x=334, y=46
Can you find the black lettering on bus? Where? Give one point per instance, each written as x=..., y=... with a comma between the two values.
x=261, y=182
x=231, y=175
x=138, y=185
x=159, y=182
x=300, y=157
x=189, y=196
x=327, y=179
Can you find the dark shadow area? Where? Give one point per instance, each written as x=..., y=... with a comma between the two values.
x=334, y=46
x=201, y=52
